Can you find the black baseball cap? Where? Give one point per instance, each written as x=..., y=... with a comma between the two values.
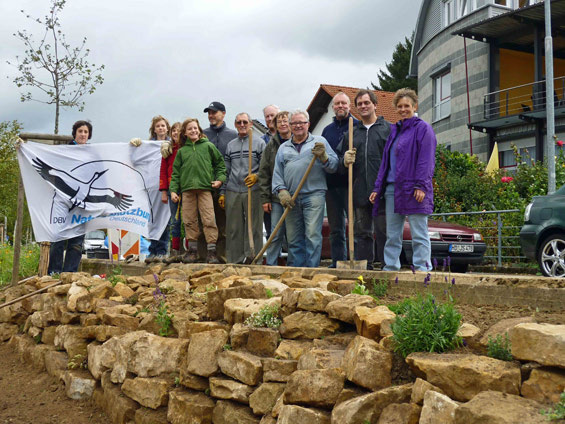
x=217, y=106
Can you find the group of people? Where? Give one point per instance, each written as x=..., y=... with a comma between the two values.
x=220, y=180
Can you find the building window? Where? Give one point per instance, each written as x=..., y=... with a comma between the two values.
x=442, y=95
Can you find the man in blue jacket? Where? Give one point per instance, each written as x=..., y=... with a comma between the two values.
x=304, y=221
x=336, y=197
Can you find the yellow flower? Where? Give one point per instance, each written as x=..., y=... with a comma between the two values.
x=360, y=278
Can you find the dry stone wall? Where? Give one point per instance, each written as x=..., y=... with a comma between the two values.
x=331, y=360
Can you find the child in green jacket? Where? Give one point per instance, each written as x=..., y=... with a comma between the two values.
x=197, y=169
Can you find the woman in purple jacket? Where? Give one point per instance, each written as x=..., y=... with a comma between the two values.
x=405, y=182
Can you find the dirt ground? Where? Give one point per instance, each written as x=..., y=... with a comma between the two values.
x=32, y=397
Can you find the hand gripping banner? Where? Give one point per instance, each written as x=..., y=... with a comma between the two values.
x=73, y=189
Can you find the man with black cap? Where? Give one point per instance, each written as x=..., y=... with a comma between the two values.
x=220, y=135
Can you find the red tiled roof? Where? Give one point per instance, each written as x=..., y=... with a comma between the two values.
x=384, y=105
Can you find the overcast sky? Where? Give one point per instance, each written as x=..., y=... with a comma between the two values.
x=173, y=58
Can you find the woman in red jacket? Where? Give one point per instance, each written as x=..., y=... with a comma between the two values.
x=164, y=181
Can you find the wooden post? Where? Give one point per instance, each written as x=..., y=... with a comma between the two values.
x=18, y=232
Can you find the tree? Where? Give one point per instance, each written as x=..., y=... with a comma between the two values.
x=395, y=77
x=60, y=72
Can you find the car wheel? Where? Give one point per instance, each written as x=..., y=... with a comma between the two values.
x=461, y=268
x=551, y=256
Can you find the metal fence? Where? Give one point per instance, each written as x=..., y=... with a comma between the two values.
x=502, y=240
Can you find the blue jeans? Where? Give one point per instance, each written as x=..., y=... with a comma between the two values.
x=161, y=246
x=73, y=247
x=336, y=202
x=275, y=248
x=304, y=229
x=174, y=223
x=421, y=245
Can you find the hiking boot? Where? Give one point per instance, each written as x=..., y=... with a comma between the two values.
x=189, y=257
x=174, y=257
x=150, y=259
x=212, y=258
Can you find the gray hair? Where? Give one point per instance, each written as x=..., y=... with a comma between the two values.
x=299, y=112
x=341, y=93
x=244, y=113
x=275, y=106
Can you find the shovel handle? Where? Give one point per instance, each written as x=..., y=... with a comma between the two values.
x=249, y=204
x=350, y=199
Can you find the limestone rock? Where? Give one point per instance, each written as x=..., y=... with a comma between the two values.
x=545, y=385
x=238, y=335
x=194, y=382
x=366, y=364
x=43, y=319
x=238, y=310
x=321, y=277
x=315, y=300
x=343, y=309
x=338, y=341
x=277, y=370
x=206, y=279
x=263, y=399
x=542, y=343
x=499, y=408
x=468, y=331
x=202, y=352
x=149, y=392
x=503, y=327
x=106, y=332
x=342, y=287
x=401, y=413
x=174, y=274
x=370, y=406
x=319, y=388
x=438, y=408
x=242, y=366
x=308, y=325
x=217, y=298
x=289, y=301
x=120, y=409
x=189, y=407
x=189, y=327
x=120, y=320
x=78, y=384
x=373, y=323
x=321, y=359
x=123, y=290
x=262, y=341
x=292, y=414
x=293, y=349
x=56, y=363
x=349, y=393
x=299, y=283
x=227, y=412
x=101, y=357
x=462, y=376
x=420, y=389
x=267, y=419
x=7, y=331
x=275, y=286
x=151, y=416
x=225, y=388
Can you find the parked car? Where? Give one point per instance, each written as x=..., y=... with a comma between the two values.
x=463, y=245
x=543, y=234
x=93, y=240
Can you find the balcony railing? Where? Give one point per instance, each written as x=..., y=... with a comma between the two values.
x=522, y=99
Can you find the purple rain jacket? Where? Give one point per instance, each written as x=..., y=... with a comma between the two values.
x=415, y=163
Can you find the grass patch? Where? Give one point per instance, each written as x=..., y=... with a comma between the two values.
x=29, y=262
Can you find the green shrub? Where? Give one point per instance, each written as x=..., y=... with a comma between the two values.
x=268, y=316
x=380, y=288
x=557, y=413
x=29, y=262
x=164, y=319
x=426, y=326
x=499, y=348
x=360, y=289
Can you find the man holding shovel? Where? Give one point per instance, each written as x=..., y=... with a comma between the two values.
x=234, y=194
x=304, y=222
x=369, y=138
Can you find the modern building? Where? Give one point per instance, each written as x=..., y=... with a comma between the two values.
x=481, y=74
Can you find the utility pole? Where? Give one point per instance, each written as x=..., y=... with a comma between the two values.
x=549, y=105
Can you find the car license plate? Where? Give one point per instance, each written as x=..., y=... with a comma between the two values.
x=461, y=248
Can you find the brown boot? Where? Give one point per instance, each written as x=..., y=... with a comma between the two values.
x=191, y=255
x=212, y=257
x=174, y=257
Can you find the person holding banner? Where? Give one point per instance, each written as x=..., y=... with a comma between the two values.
x=197, y=170
x=70, y=248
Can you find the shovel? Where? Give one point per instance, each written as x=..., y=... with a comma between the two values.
x=286, y=211
x=249, y=259
x=351, y=263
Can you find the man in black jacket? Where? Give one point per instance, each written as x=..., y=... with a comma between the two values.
x=369, y=139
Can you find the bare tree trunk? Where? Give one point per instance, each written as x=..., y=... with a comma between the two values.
x=56, y=117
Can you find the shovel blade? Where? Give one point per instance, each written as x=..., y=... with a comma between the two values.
x=362, y=265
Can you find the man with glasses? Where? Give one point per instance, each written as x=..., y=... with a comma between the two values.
x=234, y=192
x=220, y=135
x=336, y=197
x=304, y=221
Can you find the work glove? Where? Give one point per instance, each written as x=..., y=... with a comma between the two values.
x=135, y=142
x=349, y=157
x=166, y=149
x=222, y=201
x=286, y=199
x=319, y=150
x=250, y=180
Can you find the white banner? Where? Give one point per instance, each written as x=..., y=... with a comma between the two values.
x=73, y=189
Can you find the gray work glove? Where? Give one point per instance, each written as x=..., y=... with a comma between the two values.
x=349, y=157
x=135, y=142
x=319, y=150
x=286, y=199
x=166, y=149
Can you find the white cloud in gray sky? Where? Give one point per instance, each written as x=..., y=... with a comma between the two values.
x=173, y=58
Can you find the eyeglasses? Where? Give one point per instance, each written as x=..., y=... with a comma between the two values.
x=241, y=122
x=298, y=124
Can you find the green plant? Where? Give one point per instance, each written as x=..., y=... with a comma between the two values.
x=426, y=326
x=29, y=262
x=380, y=288
x=228, y=346
x=360, y=287
x=499, y=348
x=177, y=381
x=37, y=339
x=77, y=361
x=163, y=318
x=557, y=413
x=115, y=275
x=269, y=293
x=268, y=316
